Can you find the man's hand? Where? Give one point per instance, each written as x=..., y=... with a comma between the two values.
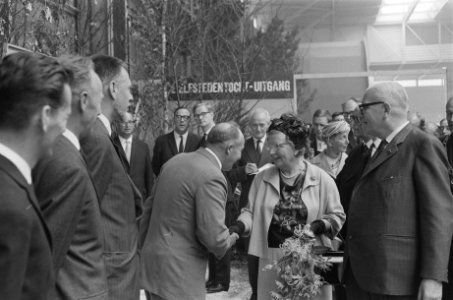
x=430, y=290
x=251, y=168
x=234, y=236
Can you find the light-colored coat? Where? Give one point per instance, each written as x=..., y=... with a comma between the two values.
x=187, y=222
x=319, y=194
x=320, y=160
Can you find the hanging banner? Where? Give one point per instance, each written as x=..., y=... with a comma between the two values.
x=263, y=89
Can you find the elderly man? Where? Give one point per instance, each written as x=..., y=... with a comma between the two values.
x=178, y=141
x=68, y=198
x=119, y=199
x=254, y=156
x=204, y=115
x=188, y=217
x=35, y=101
x=135, y=153
x=400, y=216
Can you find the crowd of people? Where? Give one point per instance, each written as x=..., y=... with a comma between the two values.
x=88, y=213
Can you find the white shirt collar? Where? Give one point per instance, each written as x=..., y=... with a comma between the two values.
x=376, y=143
x=106, y=123
x=18, y=161
x=123, y=140
x=392, y=135
x=263, y=140
x=176, y=135
x=72, y=138
x=216, y=158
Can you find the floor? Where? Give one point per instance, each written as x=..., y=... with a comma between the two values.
x=239, y=285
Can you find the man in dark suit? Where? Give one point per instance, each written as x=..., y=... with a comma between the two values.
x=68, y=198
x=120, y=205
x=253, y=157
x=320, y=119
x=400, y=216
x=448, y=142
x=135, y=154
x=177, y=141
x=35, y=101
x=188, y=217
x=203, y=113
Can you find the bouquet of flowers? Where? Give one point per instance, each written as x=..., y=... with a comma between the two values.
x=296, y=269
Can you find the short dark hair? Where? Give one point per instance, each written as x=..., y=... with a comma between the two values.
x=79, y=67
x=107, y=67
x=293, y=127
x=322, y=113
x=28, y=82
x=224, y=132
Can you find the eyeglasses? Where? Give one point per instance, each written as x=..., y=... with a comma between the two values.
x=275, y=147
x=185, y=118
x=202, y=114
x=365, y=106
x=131, y=122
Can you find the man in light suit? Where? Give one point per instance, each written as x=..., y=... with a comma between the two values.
x=188, y=217
x=35, y=101
x=118, y=197
x=135, y=153
x=400, y=216
x=68, y=198
x=253, y=157
x=177, y=141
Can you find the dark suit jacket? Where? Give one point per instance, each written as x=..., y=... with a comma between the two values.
x=400, y=216
x=25, y=251
x=237, y=173
x=348, y=177
x=139, y=167
x=165, y=148
x=448, y=288
x=120, y=209
x=70, y=207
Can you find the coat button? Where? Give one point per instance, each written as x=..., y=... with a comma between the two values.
x=350, y=237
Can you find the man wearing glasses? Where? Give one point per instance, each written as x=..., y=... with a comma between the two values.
x=177, y=141
x=400, y=216
x=204, y=115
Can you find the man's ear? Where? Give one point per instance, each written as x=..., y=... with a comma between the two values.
x=45, y=116
x=112, y=89
x=83, y=102
x=228, y=149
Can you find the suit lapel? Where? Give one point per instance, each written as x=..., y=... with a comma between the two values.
x=251, y=151
x=388, y=152
x=172, y=143
x=120, y=152
x=14, y=173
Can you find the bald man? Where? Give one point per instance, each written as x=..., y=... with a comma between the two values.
x=400, y=221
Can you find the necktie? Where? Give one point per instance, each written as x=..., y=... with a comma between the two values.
x=204, y=141
x=128, y=150
x=181, y=144
x=379, y=149
x=258, y=146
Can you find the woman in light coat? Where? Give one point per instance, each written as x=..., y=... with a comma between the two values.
x=293, y=192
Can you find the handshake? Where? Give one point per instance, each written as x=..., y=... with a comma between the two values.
x=237, y=228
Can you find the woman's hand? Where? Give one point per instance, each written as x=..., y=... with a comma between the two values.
x=318, y=227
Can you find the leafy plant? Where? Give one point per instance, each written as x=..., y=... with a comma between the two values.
x=297, y=269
